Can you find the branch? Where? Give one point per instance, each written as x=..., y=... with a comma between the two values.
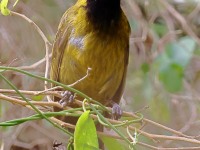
x=35, y=65
x=46, y=42
x=184, y=137
x=181, y=20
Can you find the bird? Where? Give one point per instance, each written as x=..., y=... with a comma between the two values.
x=93, y=35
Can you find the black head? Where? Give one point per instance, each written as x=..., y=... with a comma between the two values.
x=103, y=13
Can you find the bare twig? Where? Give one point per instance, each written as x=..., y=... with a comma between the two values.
x=194, y=12
x=46, y=41
x=57, y=94
x=181, y=19
x=83, y=78
x=149, y=135
x=35, y=65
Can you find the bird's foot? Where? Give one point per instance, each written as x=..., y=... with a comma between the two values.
x=116, y=111
x=67, y=98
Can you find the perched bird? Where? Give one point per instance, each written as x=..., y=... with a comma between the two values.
x=93, y=34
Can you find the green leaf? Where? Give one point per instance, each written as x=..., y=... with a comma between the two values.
x=4, y=10
x=171, y=77
x=85, y=136
x=160, y=29
x=182, y=51
x=112, y=144
x=173, y=61
x=145, y=67
x=37, y=97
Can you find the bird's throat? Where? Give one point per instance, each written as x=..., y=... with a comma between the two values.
x=103, y=13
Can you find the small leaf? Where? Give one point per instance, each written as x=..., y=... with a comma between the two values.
x=172, y=77
x=37, y=97
x=179, y=52
x=160, y=29
x=85, y=136
x=173, y=61
x=4, y=10
x=145, y=67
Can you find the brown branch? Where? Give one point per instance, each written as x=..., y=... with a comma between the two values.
x=181, y=20
x=55, y=104
x=46, y=41
x=35, y=65
x=57, y=93
x=23, y=103
x=127, y=114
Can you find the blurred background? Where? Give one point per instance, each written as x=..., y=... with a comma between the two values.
x=163, y=81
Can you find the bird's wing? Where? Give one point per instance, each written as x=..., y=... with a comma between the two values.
x=118, y=94
x=61, y=41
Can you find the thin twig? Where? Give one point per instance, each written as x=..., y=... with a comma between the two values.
x=126, y=114
x=83, y=78
x=181, y=20
x=35, y=65
x=47, y=45
x=149, y=135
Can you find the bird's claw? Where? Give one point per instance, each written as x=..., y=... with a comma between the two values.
x=67, y=98
x=116, y=111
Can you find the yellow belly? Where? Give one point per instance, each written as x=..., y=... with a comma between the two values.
x=104, y=55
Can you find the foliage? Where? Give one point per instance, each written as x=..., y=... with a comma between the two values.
x=173, y=62
x=85, y=136
x=3, y=7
